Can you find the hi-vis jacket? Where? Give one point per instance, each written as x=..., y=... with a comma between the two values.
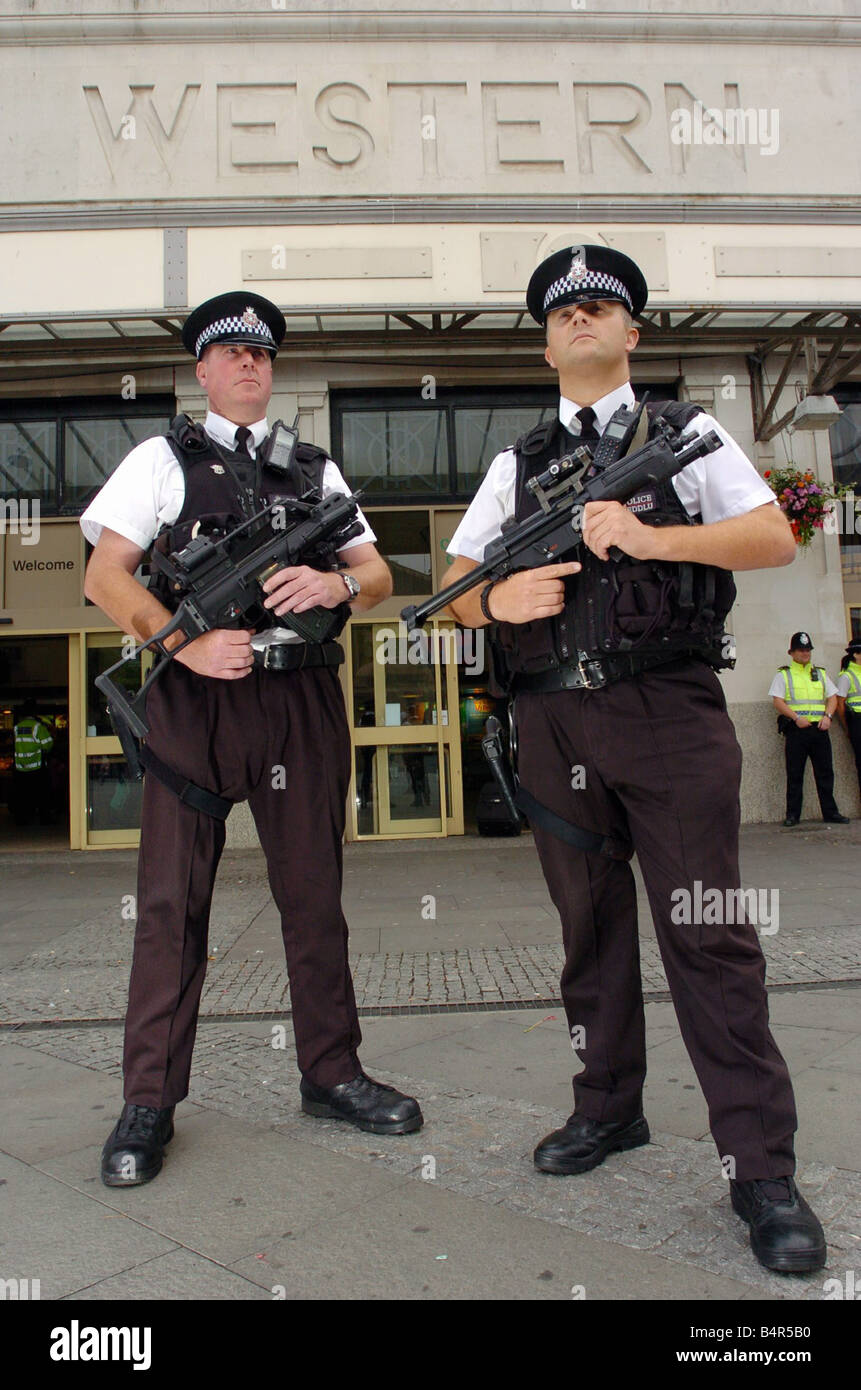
x=805, y=691
x=852, y=673
x=32, y=741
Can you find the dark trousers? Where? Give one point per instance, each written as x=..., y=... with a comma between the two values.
x=32, y=796
x=279, y=740
x=853, y=724
x=661, y=768
x=815, y=744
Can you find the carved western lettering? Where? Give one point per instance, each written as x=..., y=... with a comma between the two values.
x=430, y=99
x=142, y=111
x=513, y=135
x=630, y=107
x=678, y=98
x=257, y=128
x=419, y=137
x=353, y=143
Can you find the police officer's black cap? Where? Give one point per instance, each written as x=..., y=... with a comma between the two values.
x=585, y=273
x=854, y=645
x=237, y=317
x=800, y=642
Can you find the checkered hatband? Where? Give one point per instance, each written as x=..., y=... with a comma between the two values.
x=252, y=328
x=593, y=280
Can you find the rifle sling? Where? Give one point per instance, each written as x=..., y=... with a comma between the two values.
x=197, y=797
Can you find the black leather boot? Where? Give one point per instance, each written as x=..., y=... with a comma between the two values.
x=367, y=1104
x=582, y=1143
x=134, y=1151
x=785, y=1235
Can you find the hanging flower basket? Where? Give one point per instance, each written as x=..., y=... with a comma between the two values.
x=805, y=501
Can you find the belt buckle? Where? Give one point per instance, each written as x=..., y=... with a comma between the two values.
x=266, y=650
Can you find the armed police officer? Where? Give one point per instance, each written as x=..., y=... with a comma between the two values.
x=805, y=699
x=610, y=661
x=230, y=711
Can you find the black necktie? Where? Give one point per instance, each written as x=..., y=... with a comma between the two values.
x=243, y=434
x=587, y=417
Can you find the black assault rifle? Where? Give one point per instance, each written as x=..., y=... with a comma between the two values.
x=219, y=583
x=562, y=492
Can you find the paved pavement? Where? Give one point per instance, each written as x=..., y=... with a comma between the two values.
x=456, y=964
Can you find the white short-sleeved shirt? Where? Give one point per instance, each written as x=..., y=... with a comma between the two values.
x=719, y=486
x=146, y=492
x=778, y=685
x=843, y=683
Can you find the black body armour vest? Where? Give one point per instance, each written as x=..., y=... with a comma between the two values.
x=223, y=489
x=643, y=610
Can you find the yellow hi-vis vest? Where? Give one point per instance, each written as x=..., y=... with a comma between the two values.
x=31, y=740
x=853, y=695
x=804, y=694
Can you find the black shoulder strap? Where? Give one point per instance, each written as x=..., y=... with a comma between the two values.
x=309, y=464
x=536, y=440
x=187, y=439
x=676, y=413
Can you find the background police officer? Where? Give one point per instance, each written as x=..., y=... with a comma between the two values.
x=849, y=699
x=31, y=780
x=805, y=700
x=232, y=709
x=611, y=671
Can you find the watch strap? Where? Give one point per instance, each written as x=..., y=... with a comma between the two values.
x=485, y=595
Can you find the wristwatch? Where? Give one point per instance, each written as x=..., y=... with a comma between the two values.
x=354, y=588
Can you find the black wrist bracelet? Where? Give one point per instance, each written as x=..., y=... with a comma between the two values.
x=485, y=594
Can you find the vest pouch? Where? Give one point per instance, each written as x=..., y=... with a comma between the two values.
x=175, y=538
x=500, y=670
x=640, y=605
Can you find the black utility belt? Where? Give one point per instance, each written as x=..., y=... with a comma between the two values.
x=588, y=674
x=298, y=656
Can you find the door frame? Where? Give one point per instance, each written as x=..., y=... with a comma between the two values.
x=383, y=736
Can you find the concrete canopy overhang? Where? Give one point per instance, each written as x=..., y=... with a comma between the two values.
x=99, y=339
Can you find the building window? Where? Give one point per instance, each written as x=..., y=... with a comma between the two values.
x=403, y=538
x=61, y=453
x=395, y=451
x=400, y=448
x=846, y=458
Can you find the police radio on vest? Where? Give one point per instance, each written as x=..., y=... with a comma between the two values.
x=279, y=447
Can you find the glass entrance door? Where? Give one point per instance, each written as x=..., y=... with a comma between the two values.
x=402, y=703
x=112, y=797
